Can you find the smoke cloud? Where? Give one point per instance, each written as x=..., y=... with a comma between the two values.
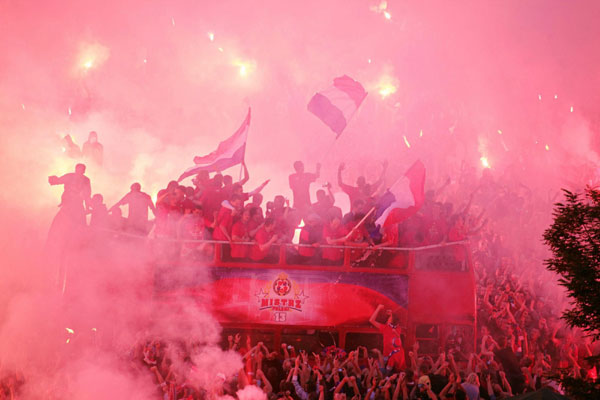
x=451, y=83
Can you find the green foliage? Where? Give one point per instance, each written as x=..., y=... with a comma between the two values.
x=574, y=239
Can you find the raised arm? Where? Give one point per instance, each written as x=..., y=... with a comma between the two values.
x=246, y=174
x=56, y=180
x=268, y=389
x=259, y=188
x=341, y=184
x=122, y=202
x=373, y=319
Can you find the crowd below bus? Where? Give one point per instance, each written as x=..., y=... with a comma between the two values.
x=521, y=344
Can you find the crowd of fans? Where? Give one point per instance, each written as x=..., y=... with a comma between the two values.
x=218, y=209
x=521, y=341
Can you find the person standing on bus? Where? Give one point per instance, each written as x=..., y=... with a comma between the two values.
x=300, y=183
x=392, y=342
x=139, y=203
x=92, y=150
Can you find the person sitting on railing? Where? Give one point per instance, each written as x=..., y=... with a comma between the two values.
x=240, y=233
x=99, y=213
x=359, y=235
x=212, y=198
x=191, y=228
x=358, y=207
x=229, y=209
x=310, y=236
x=284, y=218
x=334, y=233
x=169, y=210
x=379, y=257
x=138, y=204
x=256, y=220
x=164, y=193
x=262, y=250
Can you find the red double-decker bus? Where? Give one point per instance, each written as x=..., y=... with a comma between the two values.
x=430, y=290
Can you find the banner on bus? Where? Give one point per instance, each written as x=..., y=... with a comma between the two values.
x=299, y=297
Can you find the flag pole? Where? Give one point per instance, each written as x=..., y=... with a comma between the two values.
x=360, y=222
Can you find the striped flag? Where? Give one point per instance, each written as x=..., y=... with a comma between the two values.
x=230, y=152
x=406, y=196
x=337, y=104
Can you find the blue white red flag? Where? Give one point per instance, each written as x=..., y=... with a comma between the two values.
x=407, y=195
x=230, y=152
x=336, y=105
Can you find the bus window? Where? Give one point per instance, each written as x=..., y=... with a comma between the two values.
x=449, y=258
x=428, y=337
x=258, y=335
x=369, y=340
x=310, y=340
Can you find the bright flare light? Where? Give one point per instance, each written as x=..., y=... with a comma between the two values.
x=211, y=36
x=571, y=108
x=406, y=142
x=387, y=15
x=71, y=331
x=485, y=162
x=92, y=55
x=245, y=67
x=386, y=89
x=547, y=148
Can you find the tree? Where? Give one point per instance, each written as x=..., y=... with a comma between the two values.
x=574, y=239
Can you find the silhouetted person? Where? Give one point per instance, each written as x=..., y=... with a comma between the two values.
x=138, y=203
x=66, y=229
x=92, y=149
x=363, y=190
x=99, y=214
x=76, y=194
x=70, y=148
x=299, y=183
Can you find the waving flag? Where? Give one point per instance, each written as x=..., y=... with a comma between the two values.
x=405, y=197
x=230, y=152
x=337, y=104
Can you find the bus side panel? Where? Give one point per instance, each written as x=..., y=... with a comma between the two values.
x=292, y=297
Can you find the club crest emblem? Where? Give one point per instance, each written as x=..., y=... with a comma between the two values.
x=282, y=285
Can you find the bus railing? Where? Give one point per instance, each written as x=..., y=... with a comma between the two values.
x=449, y=256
